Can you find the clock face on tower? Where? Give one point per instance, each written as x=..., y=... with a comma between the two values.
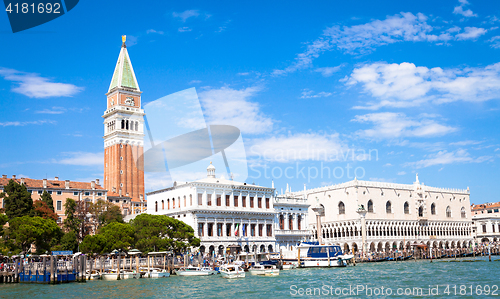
x=130, y=101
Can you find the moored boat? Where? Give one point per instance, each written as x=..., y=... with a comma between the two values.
x=232, y=271
x=157, y=273
x=113, y=275
x=314, y=255
x=264, y=270
x=195, y=271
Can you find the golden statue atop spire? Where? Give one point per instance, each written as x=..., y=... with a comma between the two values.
x=124, y=38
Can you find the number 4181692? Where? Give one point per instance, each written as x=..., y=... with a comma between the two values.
x=40, y=8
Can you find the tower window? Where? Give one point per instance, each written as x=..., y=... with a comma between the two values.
x=121, y=158
x=121, y=184
x=121, y=171
x=137, y=126
x=121, y=145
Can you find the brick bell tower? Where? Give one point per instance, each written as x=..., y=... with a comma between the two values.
x=124, y=132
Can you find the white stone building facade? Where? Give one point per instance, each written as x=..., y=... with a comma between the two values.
x=223, y=213
x=398, y=215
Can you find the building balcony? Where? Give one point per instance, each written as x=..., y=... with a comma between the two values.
x=293, y=232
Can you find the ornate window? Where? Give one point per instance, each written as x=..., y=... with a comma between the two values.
x=463, y=213
x=341, y=208
x=370, y=206
x=448, y=212
x=156, y=206
x=420, y=212
x=282, y=222
x=433, y=209
x=388, y=207
x=407, y=208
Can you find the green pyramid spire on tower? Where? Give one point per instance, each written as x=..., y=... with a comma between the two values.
x=124, y=76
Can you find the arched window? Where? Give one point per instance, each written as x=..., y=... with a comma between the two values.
x=420, y=212
x=407, y=208
x=433, y=209
x=123, y=124
x=388, y=207
x=126, y=125
x=463, y=213
x=299, y=220
x=290, y=222
x=168, y=203
x=156, y=206
x=370, y=206
x=282, y=222
x=162, y=204
x=137, y=126
x=341, y=208
x=448, y=212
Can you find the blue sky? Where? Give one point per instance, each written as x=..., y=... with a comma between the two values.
x=408, y=87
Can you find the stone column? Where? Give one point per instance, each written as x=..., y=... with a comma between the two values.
x=362, y=213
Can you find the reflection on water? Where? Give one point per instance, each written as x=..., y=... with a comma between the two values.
x=392, y=275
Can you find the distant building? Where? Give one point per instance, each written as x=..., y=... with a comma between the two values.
x=486, y=222
x=291, y=226
x=124, y=138
x=227, y=216
x=397, y=215
x=59, y=190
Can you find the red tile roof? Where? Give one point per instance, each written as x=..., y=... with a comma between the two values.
x=485, y=206
x=51, y=184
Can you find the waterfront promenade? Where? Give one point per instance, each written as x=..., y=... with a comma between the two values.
x=406, y=276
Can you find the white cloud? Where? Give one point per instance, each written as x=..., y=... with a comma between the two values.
x=365, y=38
x=445, y=157
x=401, y=173
x=243, y=74
x=194, y=81
x=227, y=106
x=307, y=94
x=35, y=86
x=459, y=10
x=186, y=14
x=394, y=125
x=406, y=85
x=53, y=110
x=149, y=31
x=82, y=158
x=328, y=71
x=471, y=33
x=302, y=147
x=184, y=29
x=495, y=42
x=25, y=123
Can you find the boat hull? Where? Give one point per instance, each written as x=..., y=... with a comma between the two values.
x=114, y=276
x=312, y=263
x=231, y=275
x=195, y=273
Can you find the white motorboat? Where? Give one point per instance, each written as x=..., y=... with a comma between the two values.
x=94, y=275
x=195, y=271
x=157, y=273
x=289, y=265
x=232, y=271
x=113, y=275
x=265, y=270
x=315, y=255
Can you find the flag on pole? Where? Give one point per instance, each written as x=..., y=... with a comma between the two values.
x=244, y=230
x=236, y=229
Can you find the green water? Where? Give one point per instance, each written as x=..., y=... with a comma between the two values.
x=394, y=275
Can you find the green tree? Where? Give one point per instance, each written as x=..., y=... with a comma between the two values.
x=41, y=209
x=47, y=198
x=69, y=241
x=26, y=230
x=117, y=236
x=160, y=232
x=17, y=200
x=93, y=244
x=111, y=214
x=72, y=222
x=3, y=220
x=103, y=213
